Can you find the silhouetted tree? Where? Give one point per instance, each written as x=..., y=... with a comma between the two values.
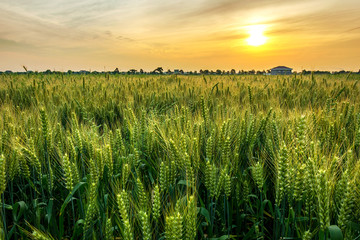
x=141, y=71
x=116, y=70
x=158, y=70
x=232, y=71
x=132, y=71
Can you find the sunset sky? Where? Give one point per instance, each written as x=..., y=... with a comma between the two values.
x=189, y=35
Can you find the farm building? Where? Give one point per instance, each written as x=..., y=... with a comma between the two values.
x=281, y=70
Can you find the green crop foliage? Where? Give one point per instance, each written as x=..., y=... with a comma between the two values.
x=106, y=156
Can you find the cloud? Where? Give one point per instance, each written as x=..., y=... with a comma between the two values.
x=10, y=45
x=353, y=29
x=125, y=38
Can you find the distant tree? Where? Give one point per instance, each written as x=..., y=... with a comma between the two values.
x=116, y=70
x=141, y=71
x=233, y=72
x=69, y=72
x=181, y=71
x=168, y=71
x=202, y=72
x=48, y=71
x=218, y=72
x=206, y=71
x=132, y=71
x=158, y=70
x=305, y=72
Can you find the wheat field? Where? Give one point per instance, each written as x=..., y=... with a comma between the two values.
x=104, y=156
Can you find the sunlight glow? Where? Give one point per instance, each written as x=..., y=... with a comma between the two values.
x=256, y=37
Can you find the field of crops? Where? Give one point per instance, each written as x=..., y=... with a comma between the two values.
x=179, y=157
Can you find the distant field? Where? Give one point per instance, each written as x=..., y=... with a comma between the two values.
x=180, y=157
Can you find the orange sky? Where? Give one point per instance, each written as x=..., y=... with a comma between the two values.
x=190, y=35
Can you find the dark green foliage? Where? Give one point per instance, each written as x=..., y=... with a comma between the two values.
x=110, y=156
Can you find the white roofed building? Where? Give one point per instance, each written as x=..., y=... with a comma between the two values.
x=281, y=70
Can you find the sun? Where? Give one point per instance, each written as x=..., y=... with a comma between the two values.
x=256, y=35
